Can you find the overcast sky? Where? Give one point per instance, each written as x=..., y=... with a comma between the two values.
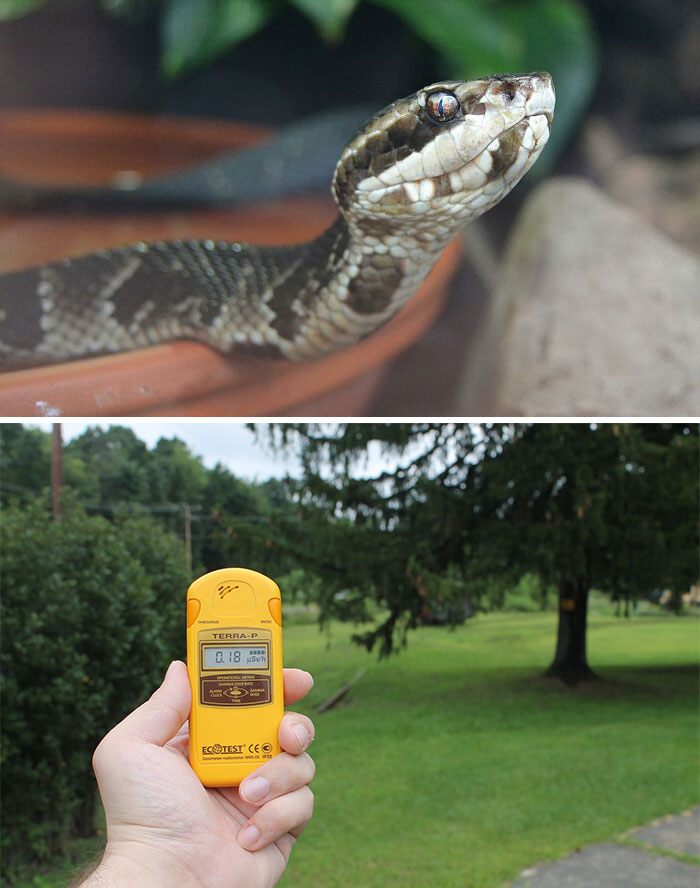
x=230, y=443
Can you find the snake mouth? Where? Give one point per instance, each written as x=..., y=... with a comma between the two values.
x=482, y=179
x=516, y=148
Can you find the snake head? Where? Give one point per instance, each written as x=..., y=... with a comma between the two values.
x=445, y=154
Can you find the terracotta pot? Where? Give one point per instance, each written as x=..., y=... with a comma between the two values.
x=183, y=378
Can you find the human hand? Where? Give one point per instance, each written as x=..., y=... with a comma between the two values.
x=164, y=828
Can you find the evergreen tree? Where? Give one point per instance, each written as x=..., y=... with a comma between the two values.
x=470, y=506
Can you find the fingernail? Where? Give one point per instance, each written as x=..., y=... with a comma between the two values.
x=255, y=789
x=302, y=736
x=170, y=668
x=248, y=836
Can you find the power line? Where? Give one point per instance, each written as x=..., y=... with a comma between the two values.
x=198, y=513
x=107, y=506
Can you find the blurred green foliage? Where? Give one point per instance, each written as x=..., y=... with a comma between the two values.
x=91, y=616
x=194, y=32
x=472, y=38
x=12, y=9
x=232, y=520
x=528, y=595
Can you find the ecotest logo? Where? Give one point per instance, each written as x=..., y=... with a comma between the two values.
x=238, y=749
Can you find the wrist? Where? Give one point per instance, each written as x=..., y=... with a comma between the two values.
x=125, y=866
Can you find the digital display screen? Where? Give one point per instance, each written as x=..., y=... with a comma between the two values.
x=235, y=657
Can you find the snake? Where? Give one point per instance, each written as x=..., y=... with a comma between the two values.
x=405, y=185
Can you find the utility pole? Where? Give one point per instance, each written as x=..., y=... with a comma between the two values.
x=56, y=470
x=188, y=540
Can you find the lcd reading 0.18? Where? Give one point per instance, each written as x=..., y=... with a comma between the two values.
x=234, y=659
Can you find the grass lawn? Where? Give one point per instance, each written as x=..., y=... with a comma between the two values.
x=456, y=764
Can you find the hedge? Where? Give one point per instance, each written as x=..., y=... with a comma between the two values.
x=92, y=613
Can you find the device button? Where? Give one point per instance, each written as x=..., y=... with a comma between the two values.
x=274, y=605
x=194, y=605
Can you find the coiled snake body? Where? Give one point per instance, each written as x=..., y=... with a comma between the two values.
x=412, y=177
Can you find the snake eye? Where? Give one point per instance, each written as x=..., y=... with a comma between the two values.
x=442, y=106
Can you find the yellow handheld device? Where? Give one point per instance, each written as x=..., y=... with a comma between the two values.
x=234, y=659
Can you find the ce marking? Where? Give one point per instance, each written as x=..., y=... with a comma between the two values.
x=254, y=748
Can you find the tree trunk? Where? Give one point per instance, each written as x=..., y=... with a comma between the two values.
x=570, y=657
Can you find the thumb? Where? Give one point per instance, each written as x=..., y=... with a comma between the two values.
x=163, y=714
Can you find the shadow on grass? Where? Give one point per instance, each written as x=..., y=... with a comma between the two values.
x=625, y=682
x=634, y=684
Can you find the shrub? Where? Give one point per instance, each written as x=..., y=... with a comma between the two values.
x=527, y=596
x=88, y=626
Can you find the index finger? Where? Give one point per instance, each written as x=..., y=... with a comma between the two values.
x=297, y=684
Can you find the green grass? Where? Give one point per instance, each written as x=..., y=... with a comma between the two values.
x=457, y=764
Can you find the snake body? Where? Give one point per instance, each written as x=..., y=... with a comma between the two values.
x=413, y=176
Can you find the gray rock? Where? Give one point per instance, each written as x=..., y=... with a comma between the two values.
x=611, y=866
x=595, y=313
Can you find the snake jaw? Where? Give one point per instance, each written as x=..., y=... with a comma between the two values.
x=405, y=164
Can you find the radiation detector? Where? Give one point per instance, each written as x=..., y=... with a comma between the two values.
x=234, y=660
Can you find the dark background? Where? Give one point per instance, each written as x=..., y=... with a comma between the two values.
x=72, y=53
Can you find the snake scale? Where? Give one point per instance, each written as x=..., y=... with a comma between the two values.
x=412, y=177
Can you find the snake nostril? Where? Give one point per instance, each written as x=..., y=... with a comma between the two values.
x=508, y=90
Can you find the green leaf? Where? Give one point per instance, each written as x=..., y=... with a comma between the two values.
x=467, y=33
x=12, y=9
x=329, y=16
x=133, y=11
x=557, y=36
x=195, y=32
